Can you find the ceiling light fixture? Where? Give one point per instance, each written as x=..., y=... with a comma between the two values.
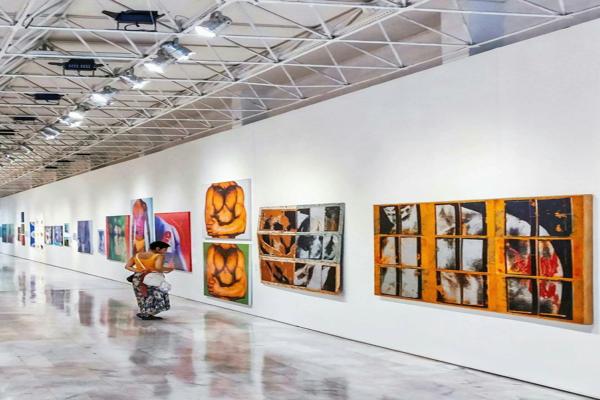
x=79, y=64
x=158, y=64
x=176, y=51
x=50, y=132
x=135, y=82
x=69, y=121
x=79, y=112
x=134, y=17
x=103, y=97
x=213, y=25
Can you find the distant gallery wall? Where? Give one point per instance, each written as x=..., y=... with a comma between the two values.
x=519, y=121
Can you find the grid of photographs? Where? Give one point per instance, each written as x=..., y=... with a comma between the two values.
x=538, y=251
x=301, y=246
x=398, y=250
x=531, y=257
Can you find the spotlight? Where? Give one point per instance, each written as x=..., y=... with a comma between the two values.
x=78, y=113
x=176, y=51
x=26, y=149
x=215, y=23
x=135, y=82
x=50, y=132
x=134, y=17
x=79, y=64
x=69, y=121
x=104, y=97
x=158, y=64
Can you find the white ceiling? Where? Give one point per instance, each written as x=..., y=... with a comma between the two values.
x=276, y=56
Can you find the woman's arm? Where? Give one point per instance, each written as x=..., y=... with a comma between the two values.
x=159, y=265
x=130, y=266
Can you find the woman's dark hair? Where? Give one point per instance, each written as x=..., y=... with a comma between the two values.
x=159, y=245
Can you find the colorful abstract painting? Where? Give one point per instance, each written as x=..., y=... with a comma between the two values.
x=57, y=235
x=142, y=224
x=117, y=238
x=174, y=229
x=31, y=234
x=227, y=210
x=301, y=246
x=84, y=237
x=226, y=272
x=528, y=256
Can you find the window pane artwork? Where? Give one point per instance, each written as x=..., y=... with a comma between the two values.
x=531, y=257
x=301, y=246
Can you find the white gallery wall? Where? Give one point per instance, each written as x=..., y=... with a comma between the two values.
x=522, y=120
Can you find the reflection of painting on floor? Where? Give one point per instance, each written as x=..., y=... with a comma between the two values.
x=525, y=256
x=301, y=246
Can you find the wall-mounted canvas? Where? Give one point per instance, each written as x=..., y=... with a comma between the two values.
x=57, y=235
x=530, y=256
x=67, y=235
x=227, y=210
x=301, y=246
x=175, y=229
x=22, y=234
x=40, y=233
x=31, y=234
x=117, y=238
x=10, y=233
x=142, y=224
x=47, y=235
x=84, y=237
x=101, y=242
x=226, y=272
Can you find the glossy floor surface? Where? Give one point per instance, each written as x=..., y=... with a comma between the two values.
x=67, y=335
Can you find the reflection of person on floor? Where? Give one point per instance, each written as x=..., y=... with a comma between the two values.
x=225, y=213
x=151, y=299
x=225, y=272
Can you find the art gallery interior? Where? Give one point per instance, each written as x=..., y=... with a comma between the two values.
x=386, y=199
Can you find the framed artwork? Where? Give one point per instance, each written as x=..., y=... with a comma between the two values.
x=31, y=234
x=226, y=272
x=67, y=235
x=527, y=256
x=22, y=217
x=142, y=224
x=84, y=237
x=101, y=242
x=48, y=235
x=57, y=235
x=301, y=246
x=10, y=233
x=226, y=210
x=175, y=229
x=118, y=238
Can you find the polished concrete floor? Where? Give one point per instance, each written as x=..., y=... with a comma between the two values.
x=67, y=335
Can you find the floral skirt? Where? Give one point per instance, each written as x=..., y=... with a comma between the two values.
x=150, y=299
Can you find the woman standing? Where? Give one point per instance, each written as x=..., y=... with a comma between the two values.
x=151, y=300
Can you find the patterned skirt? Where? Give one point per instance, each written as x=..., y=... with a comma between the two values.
x=150, y=299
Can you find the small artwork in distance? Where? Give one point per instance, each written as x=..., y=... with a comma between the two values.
x=84, y=237
x=226, y=274
x=226, y=209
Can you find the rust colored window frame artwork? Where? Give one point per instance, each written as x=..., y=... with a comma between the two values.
x=522, y=256
x=320, y=236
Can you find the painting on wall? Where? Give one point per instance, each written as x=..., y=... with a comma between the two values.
x=301, y=246
x=117, y=238
x=40, y=233
x=226, y=272
x=47, y=235
x=67, y=235
x=101, y=242
x=227, y=210
x=84, y=237
x=531, y=257
x=10, y=233
x=57, y=235
x=142, y=224
x=31, y=234
x=174, y=229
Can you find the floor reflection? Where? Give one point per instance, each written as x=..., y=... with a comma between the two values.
x=65, y=335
